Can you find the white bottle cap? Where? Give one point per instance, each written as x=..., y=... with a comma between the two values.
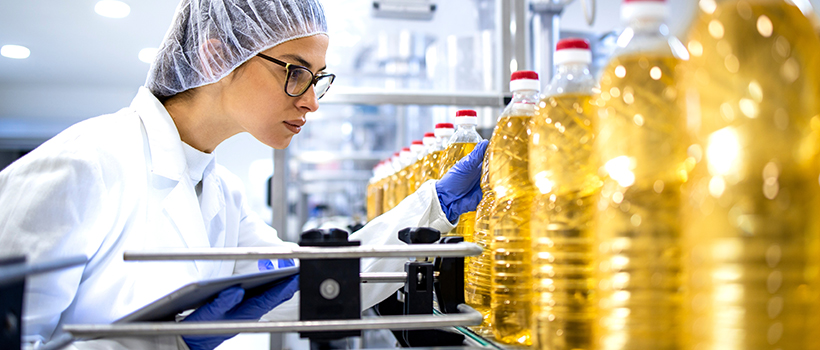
x=429, y=139
x=524, y=80
x=416, y=147
x=466, y=117
x=444, y=130
x=405, y=157
x=646, y=9
x=395, y=163
x=573, y=50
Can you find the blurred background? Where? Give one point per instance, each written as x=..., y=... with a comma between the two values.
x=402, y=66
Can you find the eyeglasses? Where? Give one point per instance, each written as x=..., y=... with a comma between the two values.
x=299, y=79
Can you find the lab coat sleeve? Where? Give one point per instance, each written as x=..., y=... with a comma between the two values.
x=54, y=207
x=59, y=204
x=152, y=343
x=421, y=208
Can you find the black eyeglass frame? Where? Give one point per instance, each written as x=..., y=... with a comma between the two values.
x=289, y=67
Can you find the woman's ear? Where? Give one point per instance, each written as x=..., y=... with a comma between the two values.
x=213, y=58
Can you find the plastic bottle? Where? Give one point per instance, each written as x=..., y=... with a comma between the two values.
x=373, y=191
x=383, y=170
x=416, y=148
x=641, y=147
x=432, y=162
x=405, y=161
x=463, y=140
x=391, y=184
x=564, y=172
x=477, y=285
x=751, y=223
x=428, y=143
x=461, y=144
x=511, y=275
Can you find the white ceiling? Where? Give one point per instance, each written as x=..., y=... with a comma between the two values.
x=83, y=64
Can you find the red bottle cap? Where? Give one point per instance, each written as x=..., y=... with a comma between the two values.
x=524, y=74
x=466, y=113
x=572, y=43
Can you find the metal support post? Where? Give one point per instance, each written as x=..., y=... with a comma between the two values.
x=329, y=287
x=545, y=32
x=13, y=273
x=450, y=284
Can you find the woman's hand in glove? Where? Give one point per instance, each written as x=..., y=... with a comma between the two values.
x=229, y=305
x=459, y=190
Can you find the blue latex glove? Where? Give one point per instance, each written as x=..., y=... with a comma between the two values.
x=229, y=305
x=459, y=190
x=267, y=264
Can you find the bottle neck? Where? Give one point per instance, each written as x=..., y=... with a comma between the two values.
x=441, y=142
x=523, y=96
x=466, y=128
x=575, y=68
x=647, y=35
x=648, y=26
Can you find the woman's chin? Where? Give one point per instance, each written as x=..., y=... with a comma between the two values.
x=279, y=143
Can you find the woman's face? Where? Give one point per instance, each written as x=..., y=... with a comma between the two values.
x=254, y=95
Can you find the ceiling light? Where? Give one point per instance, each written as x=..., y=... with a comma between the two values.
x=112, y=8
x=148, y=54
x=15, y=51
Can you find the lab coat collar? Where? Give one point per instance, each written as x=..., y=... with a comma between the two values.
x=165, y=145
x=168, y=160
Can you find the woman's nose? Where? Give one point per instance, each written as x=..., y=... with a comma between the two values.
x=308, y=100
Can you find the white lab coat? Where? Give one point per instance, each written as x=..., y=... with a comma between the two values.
x=119, y=182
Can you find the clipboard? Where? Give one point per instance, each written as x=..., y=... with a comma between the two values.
x=196, y=294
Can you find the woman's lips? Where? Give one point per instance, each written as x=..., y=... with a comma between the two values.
x=295, y=126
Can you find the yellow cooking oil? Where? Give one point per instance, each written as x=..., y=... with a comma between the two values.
x=418, y=177
x=400, y=191
x=410, y=179
x=452, y=154
x=466, y=229
x=511, y=276
x=563, y=169
x=751, y=223
x=640, y=144
x=477, y=277
x=371, y=199
x=393, y=187
x=386, y=193
x=378, y=197
x=431, y=165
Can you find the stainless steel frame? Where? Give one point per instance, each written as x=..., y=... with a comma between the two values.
x=467, y=317
x=421, y=97
x=386, y=277
x=254, y=253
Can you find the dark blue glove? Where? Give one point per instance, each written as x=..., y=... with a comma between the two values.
x=459, y=190
x=229, y=305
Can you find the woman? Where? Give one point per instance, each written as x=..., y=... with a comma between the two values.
x=144, y=178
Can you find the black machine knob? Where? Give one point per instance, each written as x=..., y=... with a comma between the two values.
x=328, y=235
x=416, y=235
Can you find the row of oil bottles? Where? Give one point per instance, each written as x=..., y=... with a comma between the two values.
x=674, y=203
x=397, y=177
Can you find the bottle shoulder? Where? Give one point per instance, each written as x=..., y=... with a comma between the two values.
x=572, y=83
x=652, y=40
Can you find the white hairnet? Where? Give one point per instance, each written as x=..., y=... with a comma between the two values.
x=208, y=39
